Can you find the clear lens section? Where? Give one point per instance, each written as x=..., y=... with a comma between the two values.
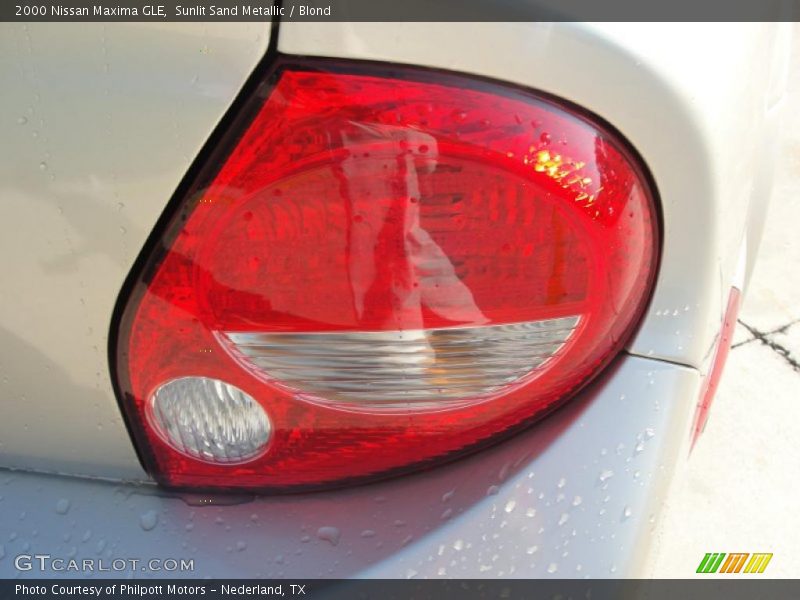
x=387, y=370
x=209, y=420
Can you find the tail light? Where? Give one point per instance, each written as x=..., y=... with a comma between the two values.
x=375, y=269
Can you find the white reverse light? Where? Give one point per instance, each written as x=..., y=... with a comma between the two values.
x=209, y=420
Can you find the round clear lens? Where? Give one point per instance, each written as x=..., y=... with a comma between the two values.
x=209, y=420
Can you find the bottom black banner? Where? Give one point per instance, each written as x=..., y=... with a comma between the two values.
x=465, y=589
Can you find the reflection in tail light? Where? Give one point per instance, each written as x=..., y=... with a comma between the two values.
x=377, y=269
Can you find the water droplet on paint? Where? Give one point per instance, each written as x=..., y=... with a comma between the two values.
x=148, y=520
x=329, y=534
x=606, y=475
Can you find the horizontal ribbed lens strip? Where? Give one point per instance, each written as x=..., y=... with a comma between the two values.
x=428, y=368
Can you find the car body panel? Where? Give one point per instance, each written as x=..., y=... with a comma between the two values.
x=100, y=123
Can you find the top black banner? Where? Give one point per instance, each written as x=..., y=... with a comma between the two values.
x=399, y=11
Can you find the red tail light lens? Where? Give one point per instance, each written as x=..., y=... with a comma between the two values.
x=377, y=269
